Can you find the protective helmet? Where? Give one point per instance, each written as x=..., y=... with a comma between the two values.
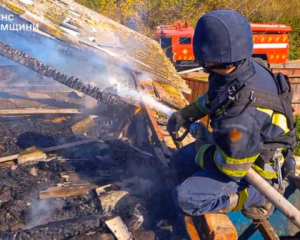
x=222, y=36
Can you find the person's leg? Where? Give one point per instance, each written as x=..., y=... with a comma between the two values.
x=182, y=164
x=183, y=161
x=206, y=192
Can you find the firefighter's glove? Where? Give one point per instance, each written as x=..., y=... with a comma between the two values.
x=175, y=122
x=182, y=118
x=202, y=135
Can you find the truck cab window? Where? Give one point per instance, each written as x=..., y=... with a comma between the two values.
x=185, y=40
x=165, y=42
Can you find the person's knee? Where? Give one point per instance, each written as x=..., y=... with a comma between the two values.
x=187, y=203
x=179, y=197
x=195, y=202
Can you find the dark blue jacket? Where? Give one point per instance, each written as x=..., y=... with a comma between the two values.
x=239, y=138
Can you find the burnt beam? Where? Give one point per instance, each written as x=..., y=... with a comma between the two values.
x=156, y=132
x=69, y=81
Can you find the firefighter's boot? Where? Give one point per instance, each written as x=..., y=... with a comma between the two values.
x=259, y=213
x=264, y=211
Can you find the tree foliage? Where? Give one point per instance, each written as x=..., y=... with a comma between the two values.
x=145, y=15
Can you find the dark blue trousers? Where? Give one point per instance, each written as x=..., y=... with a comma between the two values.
x=205, y=191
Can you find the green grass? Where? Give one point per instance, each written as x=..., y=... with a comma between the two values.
x=297, y=149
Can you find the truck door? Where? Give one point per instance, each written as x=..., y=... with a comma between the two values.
x=166, y=44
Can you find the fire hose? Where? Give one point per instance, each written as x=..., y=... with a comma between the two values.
x=281, y=203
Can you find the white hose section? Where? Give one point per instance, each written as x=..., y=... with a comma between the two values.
x=282, y=204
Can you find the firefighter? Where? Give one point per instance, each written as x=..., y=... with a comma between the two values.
x=247, y=133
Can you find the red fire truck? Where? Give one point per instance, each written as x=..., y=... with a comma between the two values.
x=270, y=42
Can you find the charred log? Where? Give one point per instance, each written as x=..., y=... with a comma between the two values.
x=101, y=236
x=65, y=229
x=123, y=152
x=70, y=81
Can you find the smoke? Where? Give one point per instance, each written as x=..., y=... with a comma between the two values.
x=38, y=209
x=88, y=66
x=47, y=52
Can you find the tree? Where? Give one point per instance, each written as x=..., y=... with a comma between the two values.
x=145, y=15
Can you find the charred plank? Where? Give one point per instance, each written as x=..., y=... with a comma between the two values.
x=64, y=229
x=38, y=111
x=50, y=149
x=82, y=126
x=67, y=191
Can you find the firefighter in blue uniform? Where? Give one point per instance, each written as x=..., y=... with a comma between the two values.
x=249, y=133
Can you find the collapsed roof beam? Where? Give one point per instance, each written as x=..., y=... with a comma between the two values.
x=70, y=81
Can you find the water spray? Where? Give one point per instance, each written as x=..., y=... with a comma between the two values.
x=133, y=95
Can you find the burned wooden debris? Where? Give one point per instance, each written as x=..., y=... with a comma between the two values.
x=82, y=126
x=119, y=229
x=72, y=82
x=33, y=154
x=38, y=111
x=66, y=191
x=46, y=196
x=49, y=192
x=64, y=229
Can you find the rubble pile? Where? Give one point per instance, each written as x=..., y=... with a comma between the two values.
x=74, y=191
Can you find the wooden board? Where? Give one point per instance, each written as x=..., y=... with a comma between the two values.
x=67, y=191
x=190, y=228
x=38, y=111
x=82, y=126
x=217, y=226
x=49, y=149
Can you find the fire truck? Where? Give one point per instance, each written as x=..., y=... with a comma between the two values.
x=270, y=41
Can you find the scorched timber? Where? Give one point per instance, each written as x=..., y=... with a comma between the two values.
x=70, y=81
x=64, y=229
